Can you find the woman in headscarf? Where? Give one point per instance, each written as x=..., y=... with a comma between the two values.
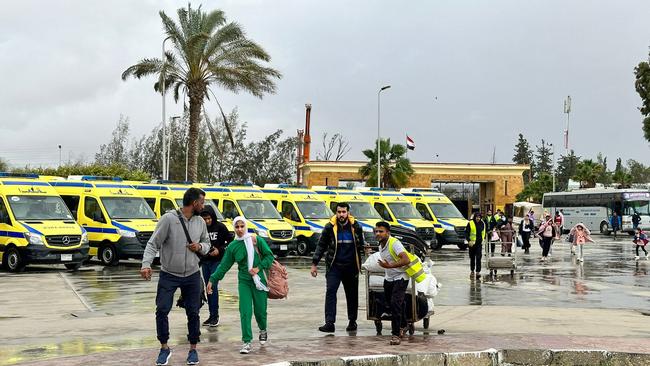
x=580, y=235
x=253, y=256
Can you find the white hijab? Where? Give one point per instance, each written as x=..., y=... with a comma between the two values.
x=247, y=238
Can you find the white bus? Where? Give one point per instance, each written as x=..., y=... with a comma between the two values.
x=594, y=207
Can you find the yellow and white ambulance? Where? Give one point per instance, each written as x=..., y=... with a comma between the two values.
x=396, y=209
x=36, y=227
x=360, y=209
x=245, y=200
x=434, y=206
x=118, y=220
x=303, y=209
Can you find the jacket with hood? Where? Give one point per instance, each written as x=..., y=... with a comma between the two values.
x=328, y=243
x=219, y=236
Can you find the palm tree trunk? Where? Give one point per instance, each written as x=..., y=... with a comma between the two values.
x=196, y=103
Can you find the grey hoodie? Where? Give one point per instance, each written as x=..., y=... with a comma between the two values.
x=169, y=239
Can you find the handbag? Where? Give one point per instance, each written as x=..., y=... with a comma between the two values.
x=204, y=298
x=277, y=279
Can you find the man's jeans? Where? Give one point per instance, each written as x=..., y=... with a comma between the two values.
x=349, y=276
x=191, y=291
x=208, y=267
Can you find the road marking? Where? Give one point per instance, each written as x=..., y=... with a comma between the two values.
x=81, y=298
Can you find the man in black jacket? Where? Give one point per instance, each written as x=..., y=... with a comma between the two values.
x=220, y=237
x=342, y=240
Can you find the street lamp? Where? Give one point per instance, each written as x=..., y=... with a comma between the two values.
x=169, y=143
x=553, y=165
x=165, y=167
x=379, y=135
x=59, y=156
x=567, y=110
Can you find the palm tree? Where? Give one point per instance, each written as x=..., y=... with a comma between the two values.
x=587, y=173
x=396, y=169
x=207, y=51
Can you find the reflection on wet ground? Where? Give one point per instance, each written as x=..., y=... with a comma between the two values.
x=115, y=309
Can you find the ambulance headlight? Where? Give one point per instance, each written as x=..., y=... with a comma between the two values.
x=34, y=239
x=84, y=238
x=126, y=233
x=263, y=233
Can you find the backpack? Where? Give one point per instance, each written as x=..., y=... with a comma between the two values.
x=277, y=279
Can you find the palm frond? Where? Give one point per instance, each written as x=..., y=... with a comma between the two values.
x=212, y=20
x=145, y=67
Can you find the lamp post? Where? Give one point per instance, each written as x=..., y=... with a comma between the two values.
x=169, y=143
x=379, y=135
x=165, y=167
x=567, y=110
x=59, y=156
x=553, y=165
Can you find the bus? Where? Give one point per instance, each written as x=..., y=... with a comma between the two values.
x=594, y=207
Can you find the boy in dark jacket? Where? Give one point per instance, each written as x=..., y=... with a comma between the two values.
x=220, y=237
x=342, y=240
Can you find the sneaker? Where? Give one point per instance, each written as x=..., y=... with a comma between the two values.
x=327, y=328
x=193, y=357
x=636, y=258
x=478, y=275
x=245, y=349
x=385, y=315
x=646, y=256
x=471, y=274
x=395, y=341
x=263, y=337
x=352, y=326
x=164, y=356
x=211, y=322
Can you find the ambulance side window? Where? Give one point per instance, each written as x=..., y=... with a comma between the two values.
x=383, y=211
x=289, y=211
x=152, y=203
x=93, y=210
x=73, y=204
x=422, y=209
x=229, y=209
x=166, y=205
x=4, y=214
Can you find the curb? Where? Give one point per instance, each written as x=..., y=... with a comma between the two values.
x=488, y=357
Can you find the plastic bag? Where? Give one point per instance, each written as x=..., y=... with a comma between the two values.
x=371, y=264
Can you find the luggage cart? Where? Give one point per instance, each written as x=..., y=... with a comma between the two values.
x=496, y=261
x=416, y=305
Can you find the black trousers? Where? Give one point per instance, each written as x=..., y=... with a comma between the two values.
x=546, y=246
x=475, y=255
x=349, y=276
x=642, y=248
x=394, y=291
x=191, y=291
x=525, y=238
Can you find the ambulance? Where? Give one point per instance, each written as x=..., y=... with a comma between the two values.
x=118, y=220
x=360, y=209
x=303, y=209
x=36, y=227
x=396, y=209
x=250, y=202
x=434, y=206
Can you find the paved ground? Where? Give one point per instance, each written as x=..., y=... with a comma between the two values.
x=603, y=303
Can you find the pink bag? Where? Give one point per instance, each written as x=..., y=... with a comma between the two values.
x=277, y=280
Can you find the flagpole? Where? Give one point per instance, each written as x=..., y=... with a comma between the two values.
x=379, y=135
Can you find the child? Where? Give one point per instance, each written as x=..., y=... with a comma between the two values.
x=640, y=239
x=581, y=235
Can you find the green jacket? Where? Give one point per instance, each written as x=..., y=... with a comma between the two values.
x=236, y=253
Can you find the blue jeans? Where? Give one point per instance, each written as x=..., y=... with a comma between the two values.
x=349, y=276
x=191, y=291
x=208, y=268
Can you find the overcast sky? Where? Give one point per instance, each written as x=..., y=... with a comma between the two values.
x=497, y=68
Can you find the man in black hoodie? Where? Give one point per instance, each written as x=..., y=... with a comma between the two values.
x=220, y=237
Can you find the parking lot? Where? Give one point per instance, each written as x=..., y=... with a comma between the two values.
x=50, y=312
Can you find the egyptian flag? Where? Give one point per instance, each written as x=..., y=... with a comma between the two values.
x=410, y=144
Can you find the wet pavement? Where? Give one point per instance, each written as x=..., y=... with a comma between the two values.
x=49, y=312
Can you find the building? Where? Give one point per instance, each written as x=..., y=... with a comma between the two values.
x=498, y=184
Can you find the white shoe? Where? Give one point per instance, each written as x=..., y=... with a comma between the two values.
x=245, y=349
x=646, y=257
x=581, y=259
x=636, y=258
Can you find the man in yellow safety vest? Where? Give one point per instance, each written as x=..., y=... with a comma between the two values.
x=474, y=237
x=399, y=265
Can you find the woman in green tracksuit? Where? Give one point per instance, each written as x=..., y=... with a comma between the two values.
x=253, y=256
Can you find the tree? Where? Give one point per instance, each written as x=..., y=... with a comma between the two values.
x=605, y=177
x=587, y=173
x=639, y=172
x=567, y=168
x=622, y=178
x=534, y=191
x=3, y=165
x=523, y=155
x=543, y=159
x=116, y=151
x=642, y=86
x=207, y=51
x=115, y=170
x=396, y=169
x=336, y=147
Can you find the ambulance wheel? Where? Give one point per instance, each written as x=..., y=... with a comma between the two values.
x=425, y=323
x=462, y=246
x=378, y=326
x=303, y=247
x=13, y=260
x=411, y=328
x=73, y=266
x=604, y=228
x=108, y=255
x=437, y=245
